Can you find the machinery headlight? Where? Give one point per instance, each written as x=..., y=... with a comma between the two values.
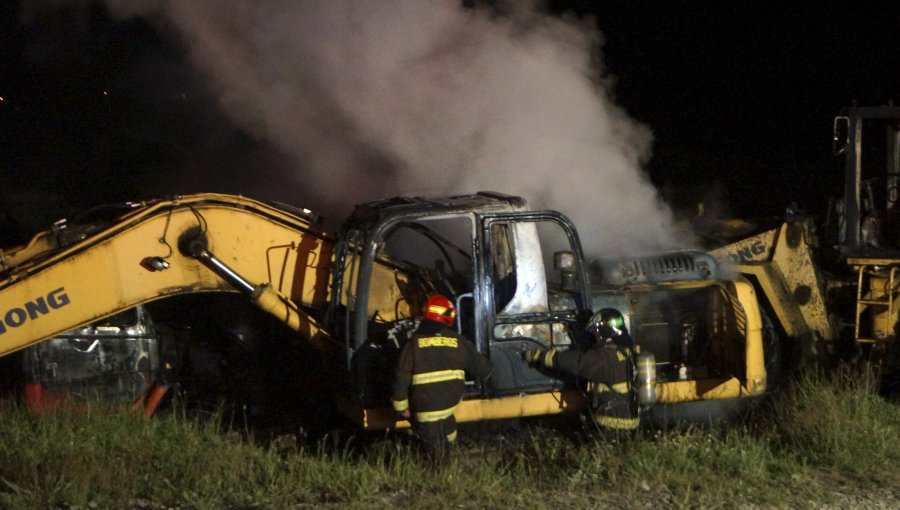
x=564, y=261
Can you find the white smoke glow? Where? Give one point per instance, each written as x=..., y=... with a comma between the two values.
x=380, y=98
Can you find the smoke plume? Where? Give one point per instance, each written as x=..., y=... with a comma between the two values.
x=379, y=98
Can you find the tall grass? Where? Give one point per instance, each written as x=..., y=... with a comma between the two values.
x=820, y=440
x=841, y=425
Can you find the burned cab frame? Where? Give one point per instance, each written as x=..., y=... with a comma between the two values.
x=488, y=253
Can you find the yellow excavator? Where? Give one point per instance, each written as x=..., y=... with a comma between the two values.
x=139, y=301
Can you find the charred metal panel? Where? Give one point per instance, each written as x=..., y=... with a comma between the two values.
x=679, y=266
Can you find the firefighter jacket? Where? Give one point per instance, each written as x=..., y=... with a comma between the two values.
x=430, y=377
x=608, y=370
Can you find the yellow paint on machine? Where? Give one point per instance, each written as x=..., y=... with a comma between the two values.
x=517, y=406
x=704, y=389
x=781, y=262
x=106, y=273
x=543, y=404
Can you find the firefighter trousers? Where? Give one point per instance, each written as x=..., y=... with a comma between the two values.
x=437, y=438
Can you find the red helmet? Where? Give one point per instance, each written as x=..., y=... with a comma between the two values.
x=440, y=309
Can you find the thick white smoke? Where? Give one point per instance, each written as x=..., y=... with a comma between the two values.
x=379, y=98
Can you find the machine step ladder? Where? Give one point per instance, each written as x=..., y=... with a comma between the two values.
x=876, y=292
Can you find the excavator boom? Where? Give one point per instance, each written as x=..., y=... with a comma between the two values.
x=160, y=249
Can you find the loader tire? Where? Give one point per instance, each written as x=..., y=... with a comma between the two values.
x=774, y=355
x=701, y=414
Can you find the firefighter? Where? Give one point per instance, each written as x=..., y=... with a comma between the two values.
x=430, y=377
x=607, y=365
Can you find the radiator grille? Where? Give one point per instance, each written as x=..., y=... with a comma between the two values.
x=676, y=266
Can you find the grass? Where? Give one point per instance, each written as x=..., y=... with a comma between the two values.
x=819, y=441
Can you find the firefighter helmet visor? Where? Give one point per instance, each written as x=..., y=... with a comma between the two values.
x=440, y=309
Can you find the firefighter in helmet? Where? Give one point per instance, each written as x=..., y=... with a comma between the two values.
x=430, y=377
x=606, y=365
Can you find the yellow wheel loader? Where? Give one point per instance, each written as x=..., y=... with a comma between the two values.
x=832, y=290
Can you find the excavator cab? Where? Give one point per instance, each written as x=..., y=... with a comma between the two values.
x=487, y=254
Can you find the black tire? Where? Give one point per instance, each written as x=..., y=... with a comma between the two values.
x=774, y=355
x=700, y=413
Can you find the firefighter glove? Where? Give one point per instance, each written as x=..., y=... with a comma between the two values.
x=532, y=356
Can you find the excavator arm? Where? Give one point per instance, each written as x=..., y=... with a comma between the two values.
x=189, y=244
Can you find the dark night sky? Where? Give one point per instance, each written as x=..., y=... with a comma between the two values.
x=746, y=92
x=740, y=94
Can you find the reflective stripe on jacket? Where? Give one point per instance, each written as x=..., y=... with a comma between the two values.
x=606, y=369
x=431, y=372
